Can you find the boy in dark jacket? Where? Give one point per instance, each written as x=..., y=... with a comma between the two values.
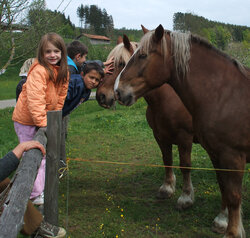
x=80, y=86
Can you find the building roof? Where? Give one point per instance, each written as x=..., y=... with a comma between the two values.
x=96, y=37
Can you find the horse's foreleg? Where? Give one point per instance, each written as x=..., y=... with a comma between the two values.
x=231, y=188
x=167, y=189
x=187, y=197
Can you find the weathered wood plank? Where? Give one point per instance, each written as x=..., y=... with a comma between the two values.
x=52, y=165
x=11, y=220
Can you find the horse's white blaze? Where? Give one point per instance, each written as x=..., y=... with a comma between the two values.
x=117, y=81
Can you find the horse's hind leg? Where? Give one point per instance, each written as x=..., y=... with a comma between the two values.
x=187, y=197
x=167, y=189
x=231, y=188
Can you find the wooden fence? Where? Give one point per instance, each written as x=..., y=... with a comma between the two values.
x=11, y=220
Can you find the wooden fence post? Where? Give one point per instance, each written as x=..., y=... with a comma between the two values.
x=11, y=220
x=54, y=127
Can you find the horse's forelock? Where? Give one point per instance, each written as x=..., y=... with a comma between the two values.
x=180, y=48
x=120, y=53
x=147, y=43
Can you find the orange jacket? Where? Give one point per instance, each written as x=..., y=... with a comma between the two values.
x=39, y=95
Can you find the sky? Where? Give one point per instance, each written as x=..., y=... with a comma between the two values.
x=150, y=13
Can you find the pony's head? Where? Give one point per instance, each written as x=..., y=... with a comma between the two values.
x=121, y=53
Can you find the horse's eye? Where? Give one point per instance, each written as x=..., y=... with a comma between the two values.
x=142, y=56
x=121, y=64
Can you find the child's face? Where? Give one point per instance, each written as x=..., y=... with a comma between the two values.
x=52, y=54
x=79, y=60
x=92, y=79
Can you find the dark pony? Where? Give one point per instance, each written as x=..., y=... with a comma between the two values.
x=216, y=91
x=166, y=115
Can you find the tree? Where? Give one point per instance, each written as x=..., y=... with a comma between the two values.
x=10, y=10
x=36, y=20
x=223, y=37
x=81, y=14
x=96, y=20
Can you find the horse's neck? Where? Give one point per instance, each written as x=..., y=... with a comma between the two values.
x=153, y=97
x=211, y=78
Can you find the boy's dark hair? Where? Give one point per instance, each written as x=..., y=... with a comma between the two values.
x=76, y=47
x=86, y=68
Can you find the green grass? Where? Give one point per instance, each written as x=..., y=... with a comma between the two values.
x=8, y=82
x=97, y=194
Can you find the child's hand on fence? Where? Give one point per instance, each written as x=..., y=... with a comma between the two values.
x=28, y=145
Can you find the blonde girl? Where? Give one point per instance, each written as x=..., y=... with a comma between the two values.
x=45, y=90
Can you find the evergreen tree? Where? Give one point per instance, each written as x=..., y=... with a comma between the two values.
x=97, y=21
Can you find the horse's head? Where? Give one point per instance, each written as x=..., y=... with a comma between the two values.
x=121, y=53
x=147, y=68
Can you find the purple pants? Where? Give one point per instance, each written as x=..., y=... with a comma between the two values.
x=26, y=133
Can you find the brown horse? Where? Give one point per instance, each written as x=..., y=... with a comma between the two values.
x=216, y=91
x=166, y=115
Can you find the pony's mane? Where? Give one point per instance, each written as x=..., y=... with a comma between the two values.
x=121, y=54
x=180, y=49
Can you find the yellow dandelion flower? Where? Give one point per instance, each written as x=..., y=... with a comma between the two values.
x=116, y=236
x=122, y=230
x=121, y=215
x=147, y=227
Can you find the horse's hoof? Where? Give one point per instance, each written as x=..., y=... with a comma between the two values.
x=185, y=201
x=163, y=195
x=166, y=191
x=218, y=229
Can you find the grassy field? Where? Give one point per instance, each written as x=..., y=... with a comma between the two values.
x=100, y=199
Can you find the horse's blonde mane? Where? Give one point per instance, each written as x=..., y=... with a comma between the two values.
x=120, y=53
x=180, y=48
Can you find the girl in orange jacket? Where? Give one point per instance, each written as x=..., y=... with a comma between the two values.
x=45, y=90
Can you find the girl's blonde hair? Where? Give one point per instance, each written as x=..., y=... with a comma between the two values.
x=58, y=42
x=26, y=66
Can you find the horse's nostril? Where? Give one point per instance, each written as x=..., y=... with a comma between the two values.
x=117, y=94
x=102, y=97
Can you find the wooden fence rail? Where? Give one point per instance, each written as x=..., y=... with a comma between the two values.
x=11, y=220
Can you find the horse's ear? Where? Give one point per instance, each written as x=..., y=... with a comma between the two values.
x=159, y=32
x=127, y=44
x=145, y=30
x=119, y=40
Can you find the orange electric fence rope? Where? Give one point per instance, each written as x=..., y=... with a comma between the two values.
x=154, y=165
